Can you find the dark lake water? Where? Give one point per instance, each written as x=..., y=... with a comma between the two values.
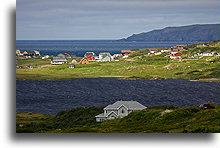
x=52, y=96
x=80, y=47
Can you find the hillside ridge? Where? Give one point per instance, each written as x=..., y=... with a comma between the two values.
x=196, y=32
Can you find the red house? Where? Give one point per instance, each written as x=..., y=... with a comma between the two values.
x=175, y=55
x=91, y=58
x=88, y=54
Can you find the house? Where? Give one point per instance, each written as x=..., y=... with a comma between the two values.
x=91, y=58
x=165, y=50
x=119, y=109
x=175, y=55
x=203, y=45
x=206, y=54
x=178, y=48
x=158, y=53
x=30, y=54
x=45, y=57
x=36, y=53
x=84, y=61
x=58, y=61
x=105, y=57
x=88, y=54
x=117, y=55
x=71, y=66
x=18, y=52
x=152, y=50
x=75, y=61
x=66, y=55
x=126, y=52
x=25, y=53
x=28, y=66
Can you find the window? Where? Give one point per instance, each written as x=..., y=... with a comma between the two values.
x=122, y=111
x=101, y=120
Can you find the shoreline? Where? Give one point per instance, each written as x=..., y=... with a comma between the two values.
x=130, y=78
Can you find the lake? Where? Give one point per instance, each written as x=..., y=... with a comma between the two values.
x=52, y=96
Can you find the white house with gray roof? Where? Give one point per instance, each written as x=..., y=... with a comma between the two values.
x=105, y=57
x=119, y=109
x=58, y=61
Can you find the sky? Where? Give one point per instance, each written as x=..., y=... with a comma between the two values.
x=107, y=19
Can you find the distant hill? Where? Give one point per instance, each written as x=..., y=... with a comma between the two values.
x=205, y=32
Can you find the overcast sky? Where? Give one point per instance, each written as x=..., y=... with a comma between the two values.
x=107, y=19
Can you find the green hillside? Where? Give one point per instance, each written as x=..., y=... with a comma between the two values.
x=159, y=119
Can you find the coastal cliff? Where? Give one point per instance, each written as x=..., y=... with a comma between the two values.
x=205, y=32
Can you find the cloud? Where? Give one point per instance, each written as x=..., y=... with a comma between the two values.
x=113, y=17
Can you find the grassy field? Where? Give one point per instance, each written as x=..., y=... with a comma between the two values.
x=28, y=122
x=159, y=119
x=145, y=67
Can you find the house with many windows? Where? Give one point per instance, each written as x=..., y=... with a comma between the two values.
x=58, y=61
x=119, y=109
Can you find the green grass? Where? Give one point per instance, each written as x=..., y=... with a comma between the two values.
x=36, y=62
x=158, y=119
x=28, y=122
x=156, y=67
x=144, y=67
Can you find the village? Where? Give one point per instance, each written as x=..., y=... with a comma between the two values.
x=175, y=52
x=194, y=61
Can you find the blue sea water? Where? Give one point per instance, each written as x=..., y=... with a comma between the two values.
x=52, y=96
x=79, y=47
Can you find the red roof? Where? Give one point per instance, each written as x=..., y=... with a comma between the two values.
x=91, y=58
x=87, y=54
x=176, y=54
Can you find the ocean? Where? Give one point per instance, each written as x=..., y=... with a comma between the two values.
x=79, y=47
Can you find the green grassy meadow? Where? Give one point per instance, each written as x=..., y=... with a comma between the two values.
x=144, y=67
x=159, y=119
